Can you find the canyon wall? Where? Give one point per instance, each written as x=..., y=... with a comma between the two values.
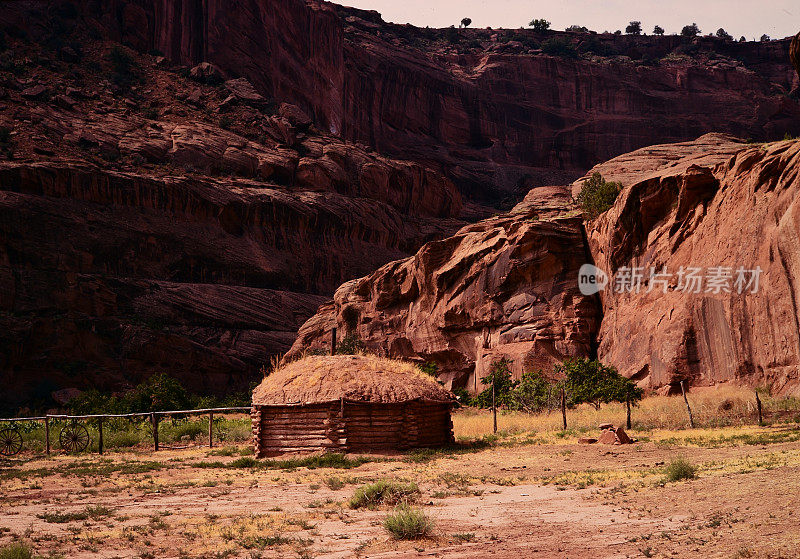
x=487, y=107
x=508, y=286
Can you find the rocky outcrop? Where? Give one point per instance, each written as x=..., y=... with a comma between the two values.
x=488, y=108
x=713, y=205
x=794, y=53
x=506, y=286
x=163, y=227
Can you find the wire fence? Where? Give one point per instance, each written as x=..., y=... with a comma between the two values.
x=75, y=437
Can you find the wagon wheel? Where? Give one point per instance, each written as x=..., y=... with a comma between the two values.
x=10, y=441
x=74, y=438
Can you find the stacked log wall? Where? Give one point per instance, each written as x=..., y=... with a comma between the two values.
x=350, y=426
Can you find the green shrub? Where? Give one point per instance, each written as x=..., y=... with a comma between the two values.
x=597, y=195
x=429, y=368
x=534, y=393
x=16, y=551
x=350, y=345
x=558, y=46
x=540, y=25
x=383, y=492
x=594, y=383
x=680, y=469
x=408, y=523
x=499, y=376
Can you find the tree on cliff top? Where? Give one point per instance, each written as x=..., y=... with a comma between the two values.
x=690, y=30
x=658, y=30
x=597, y=195
x=540, y=24
x=634, y=28
x=466, y=22
x=724, y=35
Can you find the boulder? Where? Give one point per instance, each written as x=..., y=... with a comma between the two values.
x=35, y=91
x=244, y=91
x=607, y=437
x=622, y=436
x=587, y=440
x=604, y=426
x=294, y=115
x=207, y=73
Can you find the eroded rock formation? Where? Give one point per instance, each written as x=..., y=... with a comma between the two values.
x=506, y=286
x=720, y=204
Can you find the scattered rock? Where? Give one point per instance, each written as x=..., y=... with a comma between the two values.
x=295, y=115
x=587, y=440
x=244, y=91
x=607, y=437
x=35, y=92
x=622, y=436
x=65, y=102
x=604, y=426
x=207, y=73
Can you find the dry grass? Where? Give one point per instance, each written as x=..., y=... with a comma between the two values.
x=317, y=379
x=711, y=407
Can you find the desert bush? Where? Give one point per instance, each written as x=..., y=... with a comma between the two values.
x=658, y=30
x=383, y=492
x=540, y=24
x=690, y=30
x=597, y=195
x=558, y=46
x=680, y=469
x=350, y=345
x=408, y=523
x=634, y=28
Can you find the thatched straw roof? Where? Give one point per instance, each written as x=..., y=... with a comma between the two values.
x=364, y=378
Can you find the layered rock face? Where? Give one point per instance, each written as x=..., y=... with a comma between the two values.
x=508, y=286
x=715, y=204
x=487, y=107
x=794, y=53
x=504, y=287
x=139, y=235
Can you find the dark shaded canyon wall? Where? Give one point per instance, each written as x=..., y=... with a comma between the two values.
x=497, y=118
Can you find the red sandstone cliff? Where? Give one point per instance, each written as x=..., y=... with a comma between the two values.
x=486, y=107
x=507, y=286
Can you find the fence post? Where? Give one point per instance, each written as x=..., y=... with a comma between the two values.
x=564, y=408
x=685, y=399
x=211, y=429
x=47, y=434
x=758, y=405
x=628, y=406
x=100, y=435
x=333, y=340
x=494, y=404
x=154, y=421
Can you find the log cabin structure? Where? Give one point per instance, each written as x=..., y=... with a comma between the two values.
x=349, y=403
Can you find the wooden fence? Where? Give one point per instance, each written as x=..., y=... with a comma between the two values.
x=153, y=416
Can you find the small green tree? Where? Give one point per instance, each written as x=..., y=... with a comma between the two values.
x=597, y=195
x=724, y=35
x=634, y=28
x=466, y=22
x=540, y=24
x=589, y=381
x=350, y=345
x=690, y=30
x=658, y=30
x=534, y=393
x=499, y=376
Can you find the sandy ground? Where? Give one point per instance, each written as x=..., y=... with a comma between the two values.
x=519, y=500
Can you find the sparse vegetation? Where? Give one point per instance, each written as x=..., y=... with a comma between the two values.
x=658, y=30
x=466, y=22
x=634, y=28
x=539, y=25
x=350, y=345
x=597, y=195
x=559, y=46
x=690, y=31
x=589, y=381
x=408, y=523
x=382, y=493
x=680, y=469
